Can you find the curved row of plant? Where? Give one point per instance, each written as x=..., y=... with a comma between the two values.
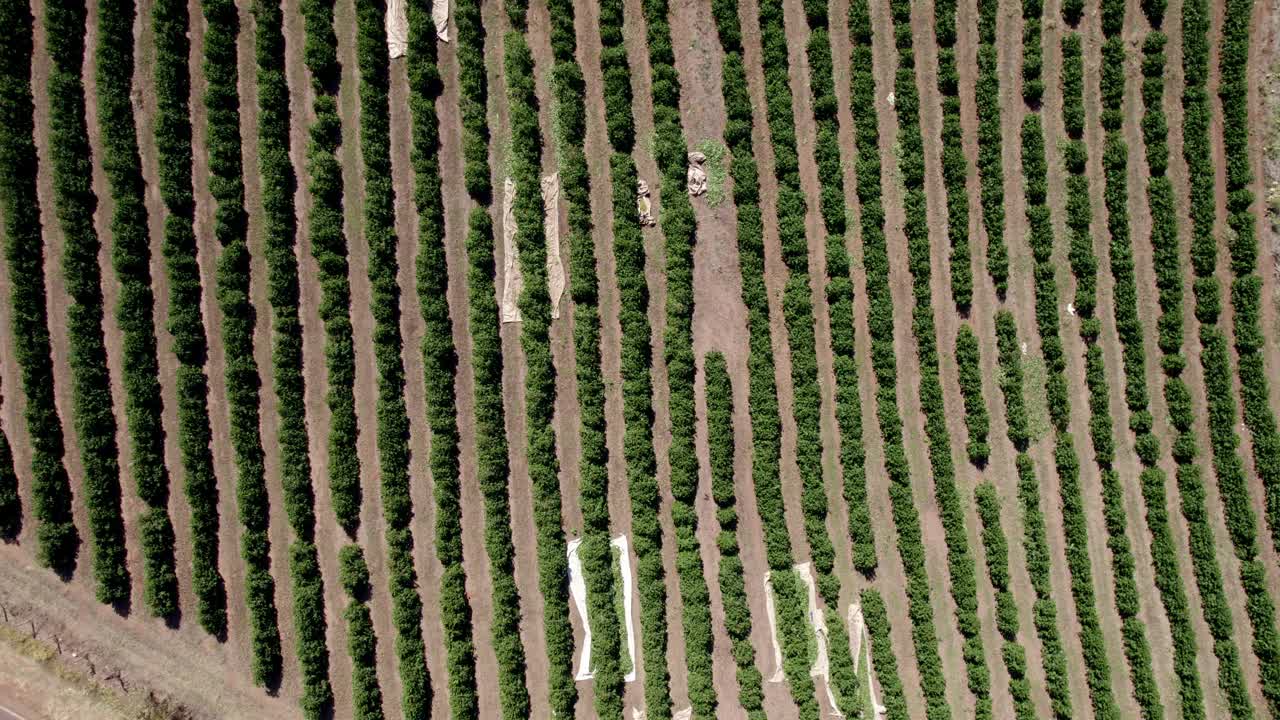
x=977, y=421
x=839, y=288
x=1040, y=239
x=880, y=321
x=960, y=563
x=1129, y=328
x=362, y=642
x=544, y=466
x=1241, y=522
x=74, y=200
x=1246, y=287
x=438, y=361
x=170, y=20
x=677, y=222
x=1166, y=258
x=955, y=167
x=996, y=547
x=1084, y=265
x=492, y=464
x=226, y=185
x=987, y=97
x=733, y=589
x=280, y=229
x=57, y=539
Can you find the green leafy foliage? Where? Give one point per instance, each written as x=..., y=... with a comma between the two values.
x=74, y=200
x=226, y=184
x=997, y=552
x=170, y=19
x=991, y=146
x=968, y=359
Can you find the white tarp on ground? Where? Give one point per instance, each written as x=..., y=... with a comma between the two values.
x=397, y=28
x=512, y=281
x=685, y=714
x=860, y=648
x=772, y=610
x=440, y=15
x=818, y=622
x=578, y=591
x=551, y=227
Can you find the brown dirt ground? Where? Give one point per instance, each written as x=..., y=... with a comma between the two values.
x=1194, y=374
x=719, y=321
x=947, y=319
x=179, y=512
x=457, y=207
x=635, y=34
x=908, y=368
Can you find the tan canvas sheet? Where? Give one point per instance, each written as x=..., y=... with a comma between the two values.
x=397, y=28
x=551, y=227
x=512, y=280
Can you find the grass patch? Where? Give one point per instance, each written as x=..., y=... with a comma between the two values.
x=716, y=169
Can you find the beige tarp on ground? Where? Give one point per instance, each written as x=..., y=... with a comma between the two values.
x=696, y=178
x=440, y=15
x=551, y=226
x=860, y=649
x=770, y=606
x=512, y=281
x=578, y=591
x=685, y=714
x=818, y=623
x=644, y=206
x=397, y=28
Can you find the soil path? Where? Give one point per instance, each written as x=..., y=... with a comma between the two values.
x=778, y=701
x=57, y=301
x=719, y=322
x=891, y=576
x=371, y=533
x=457, y=205
x=908, y=369
x=329, y=537
x=1152, y=612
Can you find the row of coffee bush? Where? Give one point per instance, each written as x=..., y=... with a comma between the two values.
x=170, y=20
